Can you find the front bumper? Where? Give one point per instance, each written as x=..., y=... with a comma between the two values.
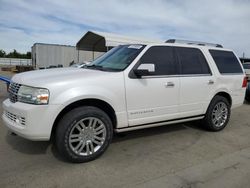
x=33, y=122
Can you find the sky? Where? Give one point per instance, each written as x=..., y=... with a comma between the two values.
x=25, y=22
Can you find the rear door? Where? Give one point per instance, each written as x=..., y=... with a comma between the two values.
x=231, y=74
x=196, y=81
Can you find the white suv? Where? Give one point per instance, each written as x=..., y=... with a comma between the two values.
x=130, y=87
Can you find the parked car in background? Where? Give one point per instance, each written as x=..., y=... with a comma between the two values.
x=52, y=67
x=247, y=69
x=6, y=80
x=248, y=92
x=128, y=88
x=80, y=65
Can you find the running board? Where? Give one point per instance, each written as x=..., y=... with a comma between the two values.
x=157, y=124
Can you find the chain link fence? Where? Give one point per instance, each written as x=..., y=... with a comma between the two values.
x=14, y=61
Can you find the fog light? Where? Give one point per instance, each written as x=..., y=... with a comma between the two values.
x=18, y=119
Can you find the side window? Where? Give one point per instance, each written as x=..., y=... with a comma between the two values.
x=226, y=62
x=162, y=57
x=192, y=61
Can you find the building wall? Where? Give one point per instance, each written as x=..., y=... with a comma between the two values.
x=88, y=55
x=98, y=54
x=44, y=55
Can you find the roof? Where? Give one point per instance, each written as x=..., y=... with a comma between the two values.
x=37, y=43
x=181, y=41
x=100, y=41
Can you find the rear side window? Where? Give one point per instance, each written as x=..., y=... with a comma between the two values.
x=226, y=62
x=162, y=57
x=192, y=61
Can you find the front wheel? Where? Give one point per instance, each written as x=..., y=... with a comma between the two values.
x=218, y=114
x=83, y=134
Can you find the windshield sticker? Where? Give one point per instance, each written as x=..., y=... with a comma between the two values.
x=135, y=46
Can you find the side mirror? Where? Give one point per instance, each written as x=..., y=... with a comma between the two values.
x=144, y=70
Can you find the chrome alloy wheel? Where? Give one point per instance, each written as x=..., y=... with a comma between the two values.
x=220, y=114
x=87, y=136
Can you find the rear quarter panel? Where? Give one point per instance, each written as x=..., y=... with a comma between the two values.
x=229, y=83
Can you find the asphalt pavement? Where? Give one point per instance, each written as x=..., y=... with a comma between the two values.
x=180, y=155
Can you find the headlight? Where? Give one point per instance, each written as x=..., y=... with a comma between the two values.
x=33, y=95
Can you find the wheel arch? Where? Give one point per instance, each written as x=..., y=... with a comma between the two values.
x=222, y=94
x=225, y=95
x=103, y=105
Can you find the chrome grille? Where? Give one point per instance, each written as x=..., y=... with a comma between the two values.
x=16, y=119
x=13, y=90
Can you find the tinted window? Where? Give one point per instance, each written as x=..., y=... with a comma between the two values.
x=226, y=61
x=162, y=57
x=192, y=61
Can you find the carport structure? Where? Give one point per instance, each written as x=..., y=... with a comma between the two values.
x=96, y=41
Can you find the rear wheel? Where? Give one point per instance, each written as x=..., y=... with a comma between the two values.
x=83, y=134
x=218, y=114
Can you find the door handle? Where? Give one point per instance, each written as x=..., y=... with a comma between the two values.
x=210, y=82
x=169, y=84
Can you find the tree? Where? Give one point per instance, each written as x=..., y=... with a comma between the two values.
x=15, y=54
x=2, y=53
x=28, y=55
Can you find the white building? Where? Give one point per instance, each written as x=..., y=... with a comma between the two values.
x=89, y=47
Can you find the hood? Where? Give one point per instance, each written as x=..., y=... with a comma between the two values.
x=43, y=78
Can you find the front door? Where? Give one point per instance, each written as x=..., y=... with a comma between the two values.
x=154, y=98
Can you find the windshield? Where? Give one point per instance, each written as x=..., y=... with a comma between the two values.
x=117, y=59
x=246, y=66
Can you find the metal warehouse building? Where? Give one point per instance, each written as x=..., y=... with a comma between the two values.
x=89, y=47
x=45, y=55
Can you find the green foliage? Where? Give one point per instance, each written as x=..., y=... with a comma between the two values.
x=15, y=54
x=28, y=55
x=2, y=53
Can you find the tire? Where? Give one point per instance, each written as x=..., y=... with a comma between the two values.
x=216, y=120
x=83, y=134
x=247, y=96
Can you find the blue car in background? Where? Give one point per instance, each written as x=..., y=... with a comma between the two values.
x=6, y=80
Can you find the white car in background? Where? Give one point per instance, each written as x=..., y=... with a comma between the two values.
x=80, y=65
x=247, y=69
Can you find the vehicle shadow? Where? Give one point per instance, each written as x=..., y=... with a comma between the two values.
x=26, y=146
x=42, y=147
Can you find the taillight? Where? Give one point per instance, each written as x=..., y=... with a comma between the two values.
x=244, y=84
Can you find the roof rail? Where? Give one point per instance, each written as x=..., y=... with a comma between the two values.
x=194, y=43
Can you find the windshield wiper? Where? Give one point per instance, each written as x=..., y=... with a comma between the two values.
x=93, y=66
x=100, y=67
